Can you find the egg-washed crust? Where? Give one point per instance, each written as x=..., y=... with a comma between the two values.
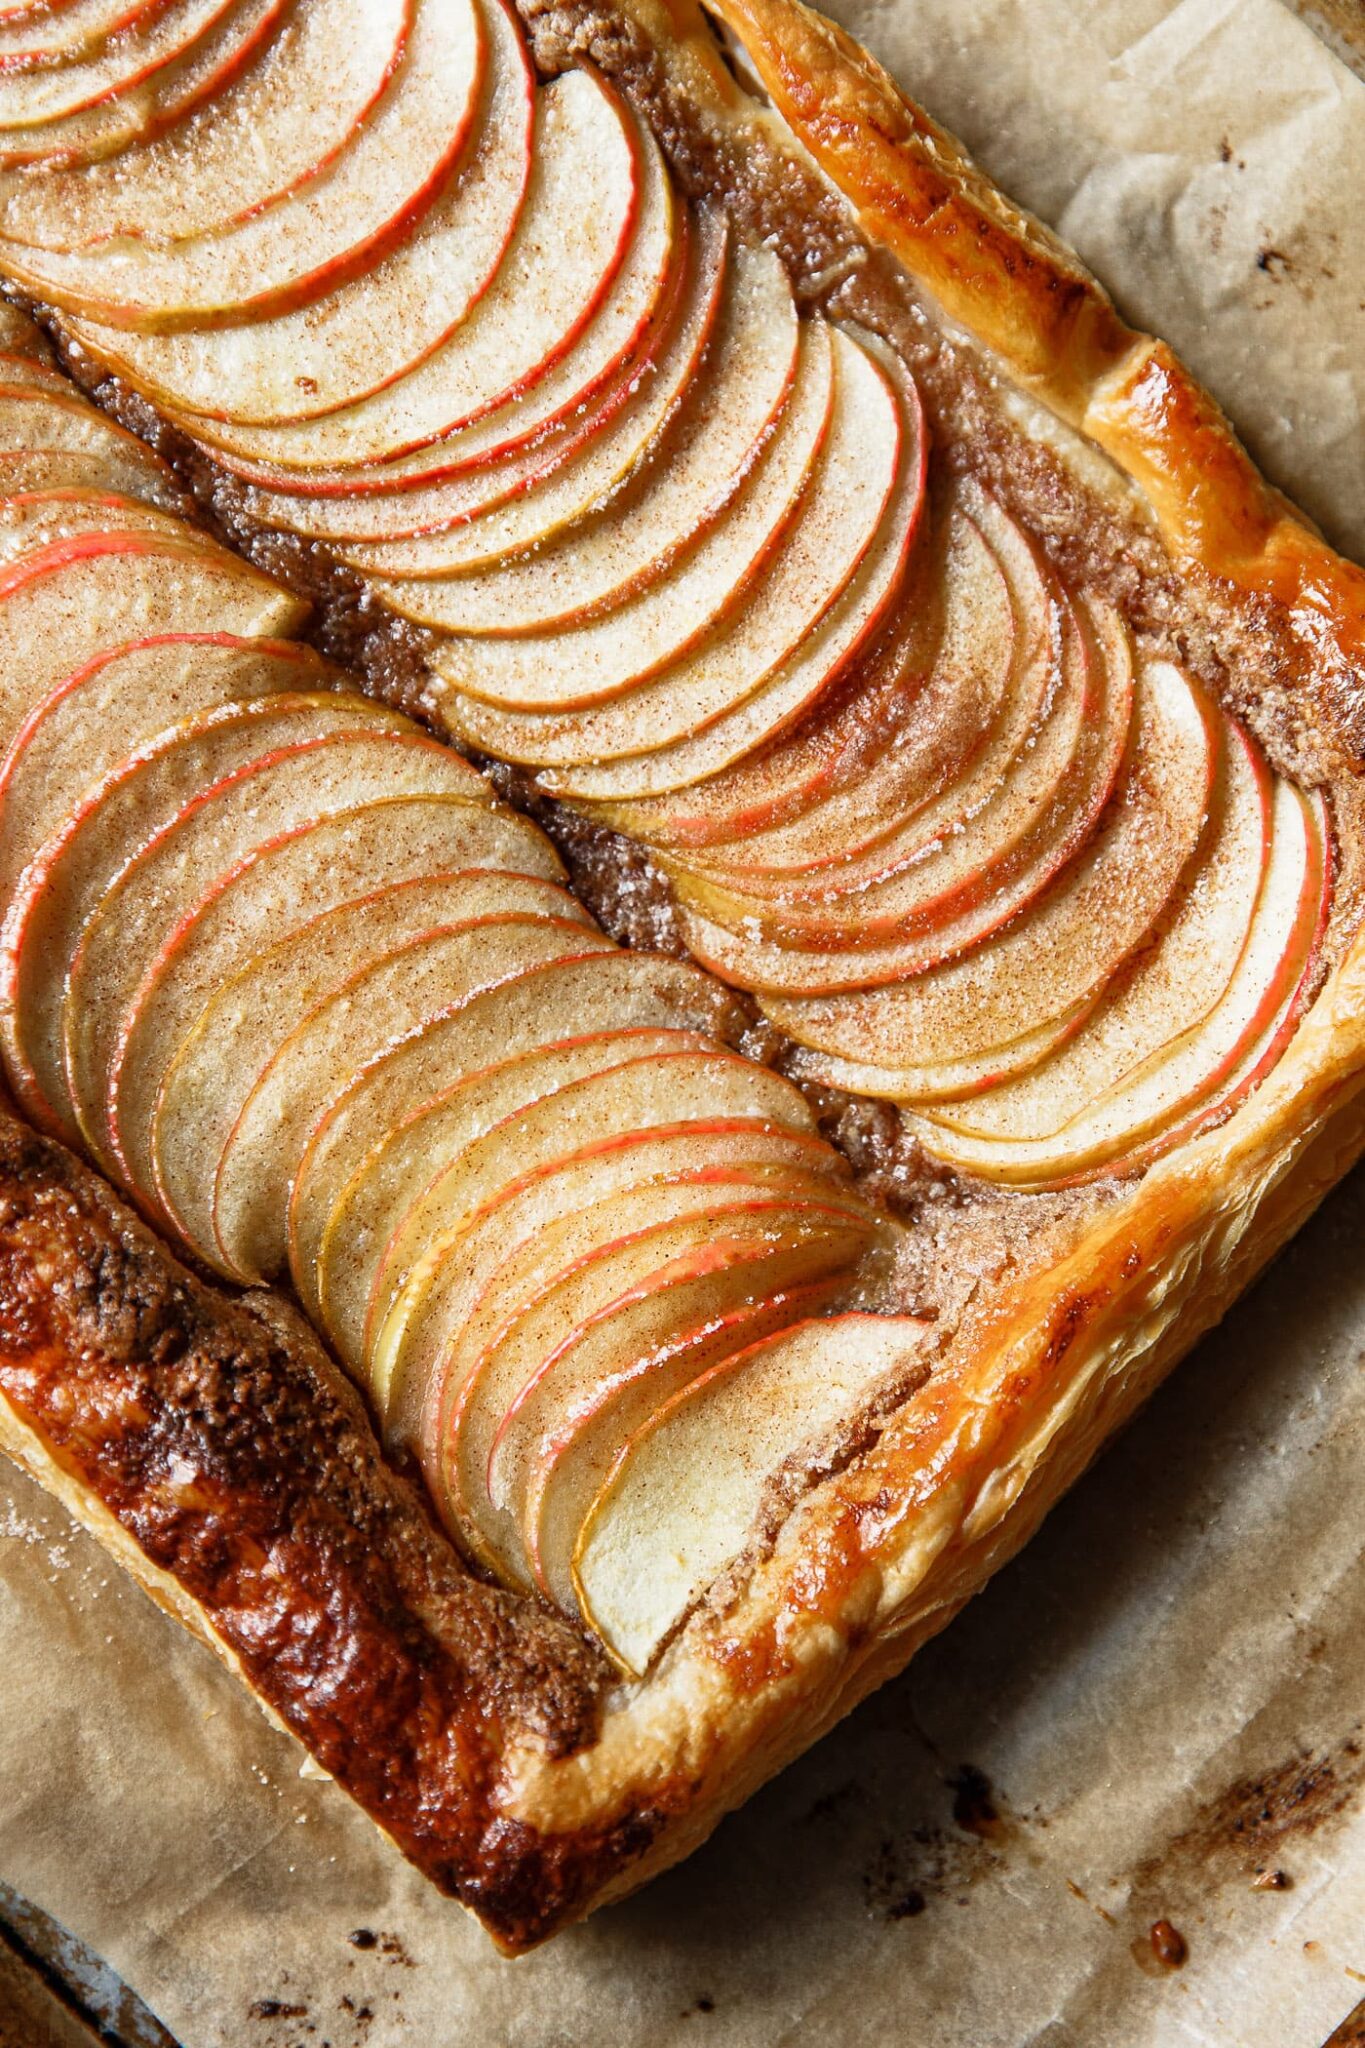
x=214, y=1448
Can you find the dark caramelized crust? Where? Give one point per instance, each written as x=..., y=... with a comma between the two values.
x=241, y=1466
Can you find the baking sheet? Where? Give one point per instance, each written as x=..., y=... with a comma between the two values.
x=1160, y=1703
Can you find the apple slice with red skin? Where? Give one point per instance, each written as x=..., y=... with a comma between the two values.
x=22, y=471
x=601, y=200
x=118, y=703
x=768, y=1395
x=945, y=748
x=1173, y=984
x=308, y=759
x=278, y=125
x=71, y=876
x=688, y=481
x=398, y=1165
x=951, y=846
x=471, y=518
x=1263, y=1054
x=308, y=242
x=560, y=1003
x=894, y=929
x=1068, y=944
x=67, y=34
x=378, y=325
x=622, y=1303
x=274, y=890
x=243, y=1025
x=825, y=593
x=34, y=98
x=829, y=470
x=608, y=432
x=404, y=1314
x=63, y=604
x=889, y=692
x=168, y=93
x=662, y=1338
x=543, y=1221
x=573, y=1455
x=683, y=1494
x=532, y=1216
x=971, y=1075
x=280, y=762
x=54, y=419
x=1056, y=1135
x=166, y=1006
x=34, y=520
x=383, y=1002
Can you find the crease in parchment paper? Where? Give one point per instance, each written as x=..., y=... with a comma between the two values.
x=1187, y=1627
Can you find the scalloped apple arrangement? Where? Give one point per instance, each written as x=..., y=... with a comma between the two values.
x=282, y=964
x=671, y=543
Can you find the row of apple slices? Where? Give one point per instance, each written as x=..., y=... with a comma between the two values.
x=282, y=964
x=653, y=523
x=647, y=512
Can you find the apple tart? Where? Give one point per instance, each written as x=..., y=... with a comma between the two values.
x=955, y=751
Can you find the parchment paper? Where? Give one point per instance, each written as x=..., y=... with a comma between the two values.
x=1163, y=1697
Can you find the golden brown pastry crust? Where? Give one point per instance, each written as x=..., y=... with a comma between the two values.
x=480, y=1733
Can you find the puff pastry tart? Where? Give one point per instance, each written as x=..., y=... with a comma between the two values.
x=565, y=1356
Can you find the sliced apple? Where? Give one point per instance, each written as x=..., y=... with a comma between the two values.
x=539, y=489
x=596, y=663
x=168, y=1002
x=565, y=1001
x=70, y=878
x=618, y=1307
x=1055, y=1134
x=936, y=756
x=683, y=1494
x=409, y=1297
x=165, y=94
x=381, y=1004
x=66, y=33
x=1173, y=983
x=31, y=98
x=131, y=478
x=54, y=419
x=960, y=892
x=394, y=1171
x=643, y=391
x=830, y=585
x=242, y=1027
x=555, y=1223
x=375, y=327
x=281, y=123
x=64, y=604
x=34, y=520
x=308, y=242
x=890, y=689
x=572, y=296
x=303, y=760
x=271, y=893
x=1068, y=944
x=942, y=1079
x=690, y=478
x=396, y=1175
x=544, y=1222
x=118, y=702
